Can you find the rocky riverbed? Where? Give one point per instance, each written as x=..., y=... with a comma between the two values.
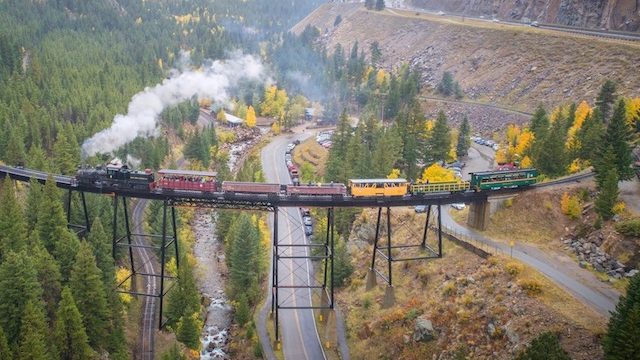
x=210, y=274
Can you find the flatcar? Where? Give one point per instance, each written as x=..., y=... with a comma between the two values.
x=186, y=180
x=508, y=179
x=250, y=188
x=444, y=186
x=318, y=189
x=378, y=187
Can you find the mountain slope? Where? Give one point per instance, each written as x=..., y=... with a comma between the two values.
x=515, y=66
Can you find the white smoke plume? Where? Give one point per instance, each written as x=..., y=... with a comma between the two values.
x=214, y=82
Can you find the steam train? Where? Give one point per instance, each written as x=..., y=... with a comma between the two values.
x=119, y=176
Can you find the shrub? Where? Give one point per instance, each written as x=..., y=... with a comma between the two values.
x=448, y=288
x=411, y=315
x=618, y=208
x=630, y=227
x=508, y=203
x=598, y=224
x=545, y=346
x=570, y=206
x=531, y=286
x=366, y=302
x=513, y=268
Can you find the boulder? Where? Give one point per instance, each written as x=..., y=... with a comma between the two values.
x=583, y=264
x=631, y=273
x=423, y=330
x=491, y=329
x=511, y=334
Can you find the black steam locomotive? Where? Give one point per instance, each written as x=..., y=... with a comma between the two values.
x=115, y=175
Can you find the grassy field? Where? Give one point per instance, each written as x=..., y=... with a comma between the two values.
x=311, y=158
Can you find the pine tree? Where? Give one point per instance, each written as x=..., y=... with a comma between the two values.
x=63, y=154
x=357, y=155
x=336, y=169
x=605, y=99
x=622, y=340
x=376, y=53
x=34, y=198
x=551, y=156
x=87, y=287
x=5, y=351
x=446, y=86
x=15, y=148
x=589, y=135
x=379, y=5
x=37, y=159
x=50, y=214
x=464, y=141
x=244, y=263
x=65, y=250
x=184, y=297
x=539, y=124
x=369, y=4
x=343, y=267
x=33, y=345
x=243, y=312
x=608, y=195
x=544, y=347
x=101, y=245
x=49, y=277
x=13, y=229
x=69, y=334
x=439, y=144
x=173, y=353
x=19, y=284
x=189, y=330
x=618, y=135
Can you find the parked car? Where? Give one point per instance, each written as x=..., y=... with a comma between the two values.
x=307, y=221
x=458, y=206
x=305, y=212
x=495, y=147
x=421, y=209
x=308, y=230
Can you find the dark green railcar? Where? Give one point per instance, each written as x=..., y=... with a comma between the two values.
x=505, y=179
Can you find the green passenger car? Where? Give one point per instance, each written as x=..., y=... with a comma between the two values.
x=508, y=179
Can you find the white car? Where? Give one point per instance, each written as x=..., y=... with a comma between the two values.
x=458, y=206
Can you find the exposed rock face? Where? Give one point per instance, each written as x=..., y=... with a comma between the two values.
x=610, y=14
x=423, y=330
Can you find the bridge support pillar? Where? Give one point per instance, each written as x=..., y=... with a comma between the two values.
x=391, y=253
x=291, y=291
x=80, y=230
x=167, y=240
x=479, y=215
x=389, y=299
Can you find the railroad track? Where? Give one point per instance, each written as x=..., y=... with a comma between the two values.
x=566, y=180
x=147, y=259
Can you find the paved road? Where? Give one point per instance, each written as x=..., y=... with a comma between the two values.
x=558, y=267
x=298, y=333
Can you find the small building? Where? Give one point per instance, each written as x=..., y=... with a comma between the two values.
x=232, y=120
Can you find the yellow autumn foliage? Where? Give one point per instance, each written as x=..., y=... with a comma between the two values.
x=436, y=173
x=570, y=206
x=526, y=162
x=121, y=274
x=275, y=128
x=513, y=133
x=381, y=76
x=582, y=111
x=523, y=144
x=251, y=117
x=221, y=116
x=501, y=156
x=394, y=174
x=633, y=110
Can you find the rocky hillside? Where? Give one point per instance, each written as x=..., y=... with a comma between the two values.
x=514, y=66
x=610, y=14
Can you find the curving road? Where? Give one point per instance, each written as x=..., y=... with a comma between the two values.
x=561, y=269
x=298, y=332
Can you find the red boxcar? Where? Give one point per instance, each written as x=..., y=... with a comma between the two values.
x=249, y=187
x=319, y=189
x=186, y=180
